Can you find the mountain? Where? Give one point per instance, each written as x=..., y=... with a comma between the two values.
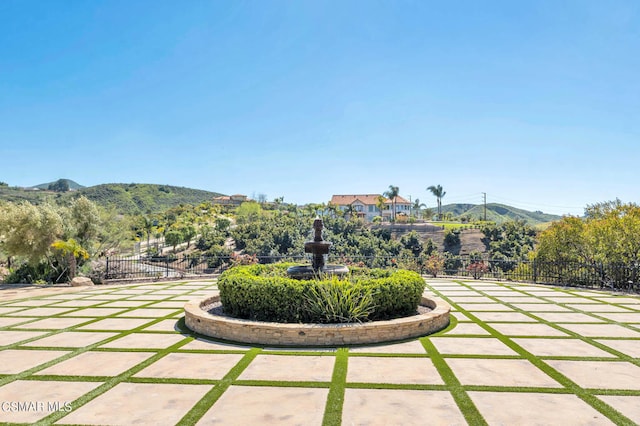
x=72, y=185
x=499, y=213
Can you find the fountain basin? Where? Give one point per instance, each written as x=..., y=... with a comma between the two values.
x=272, y=333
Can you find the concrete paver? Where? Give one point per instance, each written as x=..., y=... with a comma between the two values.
x=71, y=339
x=96, y=364
x=290, y=368
x=392, y=370
x=244, y=405
x=42, y=398
x=144, y=340
x=412, y=347
x=471, y=346
x=500, y=372
x=526, y=329
x=400, y=407
x=627, y=405
x=629, y=347
x=139, y=403
x=191, y=366
x=600, y=374
x=14, y=361
x=510, y=408
x=561, y=348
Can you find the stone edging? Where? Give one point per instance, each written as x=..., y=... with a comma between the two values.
x=271, y=333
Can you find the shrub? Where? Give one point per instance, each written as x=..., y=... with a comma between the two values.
x=434, y=264
x=339, y=301
x=265, y=293
x=477, y=269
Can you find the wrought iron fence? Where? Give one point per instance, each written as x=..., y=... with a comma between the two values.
x=594, y=275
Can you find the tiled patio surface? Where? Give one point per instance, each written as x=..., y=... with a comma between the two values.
x=515, y=354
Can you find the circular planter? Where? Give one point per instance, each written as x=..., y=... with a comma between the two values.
x=272, y=333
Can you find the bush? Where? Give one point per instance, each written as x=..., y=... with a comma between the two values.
x=265, y=293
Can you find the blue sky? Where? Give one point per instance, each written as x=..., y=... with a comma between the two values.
x=536, y=103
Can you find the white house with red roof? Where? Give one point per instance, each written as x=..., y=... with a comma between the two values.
x=366, y=205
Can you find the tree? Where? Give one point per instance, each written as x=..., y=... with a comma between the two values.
x=381, y=203
x=173, y=237
x=188, y=233
x=28, y=230
x=248, y=211
x=392, y=194
x=411, y=241
x=85, y=218
x=438, y=192
x=565, y=240
x=417, y=206
x=147, y=224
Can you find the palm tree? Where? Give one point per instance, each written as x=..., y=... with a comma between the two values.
x=438, y=192
x=391, y=194
x=417, y=206
x=381, y=203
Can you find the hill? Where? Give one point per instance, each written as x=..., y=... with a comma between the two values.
x=144, y=197
x=72, y=185
x=499, y=213
x=129, y=198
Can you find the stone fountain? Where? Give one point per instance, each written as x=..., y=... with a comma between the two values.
x=205, y=320
x=318, y=249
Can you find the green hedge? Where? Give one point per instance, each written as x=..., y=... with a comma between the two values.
x=265, y=293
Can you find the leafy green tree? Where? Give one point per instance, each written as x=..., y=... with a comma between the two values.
x=27, y=230
x=222, y=224
x=173, y=237
x=452, y=240
x=86, y=221
x=608, y=234
x=248, y=211
x=509, y=242
x=439, y=193
x=188, y=233
x=392, y=194
x=411, y=241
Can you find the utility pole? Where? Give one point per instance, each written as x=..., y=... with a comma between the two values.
x=484, y=195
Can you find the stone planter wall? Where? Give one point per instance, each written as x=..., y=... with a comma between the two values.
x=270, y=333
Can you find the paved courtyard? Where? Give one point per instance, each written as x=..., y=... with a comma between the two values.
x=514, y=354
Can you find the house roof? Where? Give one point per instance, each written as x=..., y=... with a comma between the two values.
x=367, y=199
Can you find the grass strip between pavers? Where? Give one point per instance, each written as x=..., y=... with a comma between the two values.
x=335, y=399
x=463, y=401
x=210, y=398
x=584, y=394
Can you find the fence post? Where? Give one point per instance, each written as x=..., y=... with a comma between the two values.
x=535, y=271
x=166, y=266
x=106, y=269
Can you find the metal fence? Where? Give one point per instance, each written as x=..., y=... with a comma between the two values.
x=592, y=275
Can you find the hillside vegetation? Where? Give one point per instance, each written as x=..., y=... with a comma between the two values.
x=499, y=213
x=142, y=197
x=131, y=198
